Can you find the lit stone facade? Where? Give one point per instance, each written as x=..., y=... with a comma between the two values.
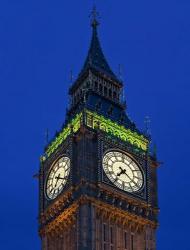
x=88, y=210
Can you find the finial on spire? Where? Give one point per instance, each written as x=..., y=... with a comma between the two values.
x=94, y=15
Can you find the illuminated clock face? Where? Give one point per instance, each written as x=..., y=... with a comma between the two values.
x=123, y=171
x=57, y=177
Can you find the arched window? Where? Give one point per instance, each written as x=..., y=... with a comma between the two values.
x=96, y=86
x=132, y=241
x=110, y=110
x=98, y=105
x=125, y=240
x=87, y=84
x=111, y=238
x=100, y=87
x=105, y=91
x=110, y=93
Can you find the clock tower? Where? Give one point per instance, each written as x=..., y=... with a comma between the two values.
x=97, y=177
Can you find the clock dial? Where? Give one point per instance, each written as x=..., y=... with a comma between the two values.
x=123, y=171
x=57, y=177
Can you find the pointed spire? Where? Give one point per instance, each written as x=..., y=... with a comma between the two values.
x=94, y=17
x=95, y=58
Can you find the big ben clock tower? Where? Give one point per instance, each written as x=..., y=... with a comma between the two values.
x=97, y=178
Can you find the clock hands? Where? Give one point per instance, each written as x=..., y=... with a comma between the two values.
x=57, y=179
x=123, y=171
x=130, y=178
x=60, y=178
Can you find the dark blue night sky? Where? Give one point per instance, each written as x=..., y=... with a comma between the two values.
x=40, y=41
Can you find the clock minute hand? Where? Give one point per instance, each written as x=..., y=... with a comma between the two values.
x=60, y=178
x=130, y=178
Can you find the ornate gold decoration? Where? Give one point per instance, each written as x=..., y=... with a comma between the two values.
x=95, y=121
x=68, y=217
x=73, y=126
x=55, y=208
x=64, y=220
x=121, y=217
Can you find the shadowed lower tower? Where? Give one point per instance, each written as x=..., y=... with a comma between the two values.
x=97, y=179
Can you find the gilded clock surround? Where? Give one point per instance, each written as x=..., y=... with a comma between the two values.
x=57, y=177
x=106, y=144
x=123, y=171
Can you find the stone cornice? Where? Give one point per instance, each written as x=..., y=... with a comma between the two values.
x=67, y=217
x=121, y=217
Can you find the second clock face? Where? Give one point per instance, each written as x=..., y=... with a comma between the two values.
x=57, y=177
x=123, y=171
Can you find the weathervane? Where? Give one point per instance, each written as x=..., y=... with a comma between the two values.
x=94, y=15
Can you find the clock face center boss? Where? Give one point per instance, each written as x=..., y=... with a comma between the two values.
x=123, y=171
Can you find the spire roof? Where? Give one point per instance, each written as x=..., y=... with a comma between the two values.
x=95, y=58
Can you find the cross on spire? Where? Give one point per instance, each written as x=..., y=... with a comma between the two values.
x=94, y=15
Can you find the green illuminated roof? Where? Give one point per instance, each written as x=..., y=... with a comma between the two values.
x=95, y=121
